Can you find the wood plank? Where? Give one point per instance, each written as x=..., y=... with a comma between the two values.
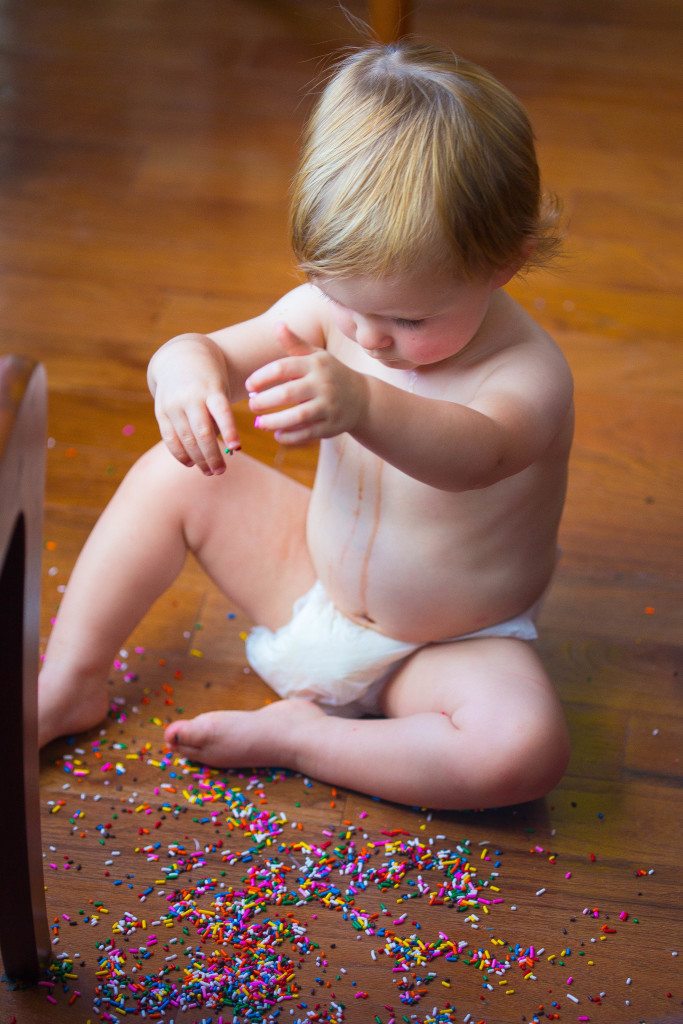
x=144, y=167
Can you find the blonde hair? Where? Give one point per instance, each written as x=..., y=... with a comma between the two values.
x=413, y=154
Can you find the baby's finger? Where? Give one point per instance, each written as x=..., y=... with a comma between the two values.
x=303, y=415
x=300, y=436
x=221, y=412
x=291, y=342
x=203, y=445
x=277, y=372
x=290, y=393
x=172, y=441
x=175, y=446
x=186, y=442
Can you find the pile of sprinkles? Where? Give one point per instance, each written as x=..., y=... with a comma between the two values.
x=219, y=935
x=226, y=929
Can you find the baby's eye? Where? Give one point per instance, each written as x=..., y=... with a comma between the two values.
x=400, y=322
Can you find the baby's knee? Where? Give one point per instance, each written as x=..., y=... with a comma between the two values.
x=532, y=757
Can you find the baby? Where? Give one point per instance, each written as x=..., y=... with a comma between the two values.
x=395, y=601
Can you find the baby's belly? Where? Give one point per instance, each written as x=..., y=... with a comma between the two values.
x=422, y=589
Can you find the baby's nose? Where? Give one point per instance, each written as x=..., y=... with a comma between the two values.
x=372, y=337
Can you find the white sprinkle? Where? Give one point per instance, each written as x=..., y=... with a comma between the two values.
x=573, y=998
x=540, y=892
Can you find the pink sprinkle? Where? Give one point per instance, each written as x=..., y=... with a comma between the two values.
x=623, y=916
x=128, y=430
x=568, y=875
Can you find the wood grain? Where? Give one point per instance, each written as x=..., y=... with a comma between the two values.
x=145, y=155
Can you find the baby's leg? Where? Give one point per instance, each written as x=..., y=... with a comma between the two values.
x=242, y=525
x=472, y=724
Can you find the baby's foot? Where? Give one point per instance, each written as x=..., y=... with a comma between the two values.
x=69, y=706
x=240, y=739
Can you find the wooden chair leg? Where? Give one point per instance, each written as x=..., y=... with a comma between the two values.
x=24, y=933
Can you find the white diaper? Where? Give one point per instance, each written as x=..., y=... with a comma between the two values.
x=325, y=657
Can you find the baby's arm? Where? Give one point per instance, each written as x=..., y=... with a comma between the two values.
x=462, y=447
x=195, y=378
x=510, y=422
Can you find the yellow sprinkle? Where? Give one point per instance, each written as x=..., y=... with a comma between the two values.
x=510, y=992
x=483, y=853
x=196, y=653
x=446, y=984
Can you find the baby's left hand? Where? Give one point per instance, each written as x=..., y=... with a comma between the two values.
x=315, y=395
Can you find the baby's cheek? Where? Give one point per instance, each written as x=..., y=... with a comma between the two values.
x=345, y=323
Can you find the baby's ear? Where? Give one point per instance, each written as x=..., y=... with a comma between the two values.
x=506, y=273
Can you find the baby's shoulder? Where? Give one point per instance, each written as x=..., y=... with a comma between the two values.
x=304, y=311
x=515, y=343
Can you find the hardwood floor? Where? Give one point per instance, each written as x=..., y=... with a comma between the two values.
x=145, y=154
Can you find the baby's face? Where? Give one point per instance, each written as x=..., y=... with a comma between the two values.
x=410, y=320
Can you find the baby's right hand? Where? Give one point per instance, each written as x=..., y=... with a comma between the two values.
x=188, y=377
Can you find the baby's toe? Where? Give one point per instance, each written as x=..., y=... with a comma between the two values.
x=188, y=735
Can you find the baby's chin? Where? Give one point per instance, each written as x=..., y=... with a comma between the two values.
x=396, y=364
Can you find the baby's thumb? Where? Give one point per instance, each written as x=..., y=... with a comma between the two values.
x=291, y=342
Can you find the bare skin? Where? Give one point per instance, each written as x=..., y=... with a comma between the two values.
x=445, y=419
